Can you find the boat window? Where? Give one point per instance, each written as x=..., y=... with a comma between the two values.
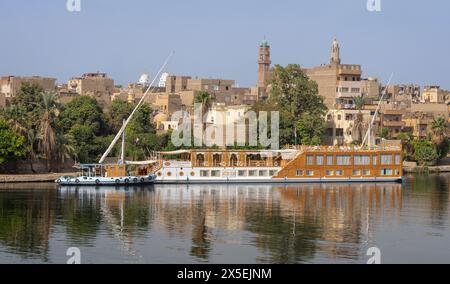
x=386, y=172
x=310, y=173
x=273, y=173
x=361, y=160
x=242, y=173
x=339, y=173
x=251, y=173
x=329, y=173
x=299, y=173
x=201, y=160
x=204, y=173
x=329, y=160
x=309, y=160
x=217, y=160
x=386, y=159
x=398, y=159
x=233, y=160
x=356, y=172
x=374, y=160
x=366, y=172
x=215, y=173
x=263, y=173
x=319, y=160
x=342, y=160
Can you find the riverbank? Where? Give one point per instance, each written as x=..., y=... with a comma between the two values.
x=435, y=169
x=50, y=177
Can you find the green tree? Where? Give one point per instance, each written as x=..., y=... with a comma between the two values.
x=12, y=145
x=384, y=133
x=425, y=152
x=119, y=111
x=311, y=128
x=440, y=130
x=83, y=110
x=47, y=132
x=296, y=97
x=85, y=147
x=206, y=100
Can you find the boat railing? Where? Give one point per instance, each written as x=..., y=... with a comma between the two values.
x=341, y=148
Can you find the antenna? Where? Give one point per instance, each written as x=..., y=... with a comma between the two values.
x=141, y=102
x=368, y=134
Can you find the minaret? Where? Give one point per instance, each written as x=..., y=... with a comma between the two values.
x=264, y=63
x=335, y=53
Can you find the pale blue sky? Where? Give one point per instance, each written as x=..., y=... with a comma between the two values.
x=220, y=39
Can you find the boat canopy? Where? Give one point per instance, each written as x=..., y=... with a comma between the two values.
x=141, y=163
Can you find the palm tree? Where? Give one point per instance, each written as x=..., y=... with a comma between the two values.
x=47, y=133
x=205, y=99
x=64, y=148
x=16, y=116
x=32, y=139
x=440, y=130
x=359, y=126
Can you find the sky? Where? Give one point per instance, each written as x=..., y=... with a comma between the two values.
x=219, y=39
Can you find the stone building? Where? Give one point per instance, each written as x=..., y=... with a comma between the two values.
x=10, y=85
x=96, y=85
x=338, y=83
x=434, y=95
x=341, y=129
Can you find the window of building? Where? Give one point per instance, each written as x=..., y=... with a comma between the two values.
x=360, y=160
x=349, y=116
x=356, y=90
x=343, y=160
x=319, y=160
x=329, y=160
x=386, y=159
x=398, y=160
x=329, y=117
x=309, y=160
x=329, y=132
x=339, y=132
x=299, y=173
x=339, y=117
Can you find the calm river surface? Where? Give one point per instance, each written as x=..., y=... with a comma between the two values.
x=228, y=223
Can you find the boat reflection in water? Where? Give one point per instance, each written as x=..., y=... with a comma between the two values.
x=274, y=224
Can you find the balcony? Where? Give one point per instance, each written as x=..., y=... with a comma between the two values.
x=393, y=123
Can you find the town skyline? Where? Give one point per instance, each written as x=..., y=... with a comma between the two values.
x=229, y=50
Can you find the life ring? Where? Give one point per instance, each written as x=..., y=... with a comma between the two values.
x=127, y=180
x=142, y=179
x=135, y=180
x=59, y=181
x=97, y=181
x=77, y=181
x=117, y=181
x=275, y=164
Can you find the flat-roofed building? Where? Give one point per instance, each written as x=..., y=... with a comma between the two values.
x=10, y=85
x=434, y=94
x=338, y=83
x=96, y=85
x=341, y=129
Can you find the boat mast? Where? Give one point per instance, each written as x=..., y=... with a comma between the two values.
x=122, y=156
x=368, y=135
x=141, y=102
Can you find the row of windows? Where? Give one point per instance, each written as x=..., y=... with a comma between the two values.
x=383, y=172
x=346, y=90
x=241, y=173
x=347, y=160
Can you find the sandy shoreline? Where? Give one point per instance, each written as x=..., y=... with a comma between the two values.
x=50, y=177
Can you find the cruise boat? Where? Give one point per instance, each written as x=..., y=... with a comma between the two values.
x=294, y=164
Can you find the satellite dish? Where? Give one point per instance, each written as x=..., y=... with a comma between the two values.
x=144, y=79
x=163, y=79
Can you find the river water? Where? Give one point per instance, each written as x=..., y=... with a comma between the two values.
x=311, y=223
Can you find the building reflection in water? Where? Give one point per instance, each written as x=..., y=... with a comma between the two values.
x=285, y=224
